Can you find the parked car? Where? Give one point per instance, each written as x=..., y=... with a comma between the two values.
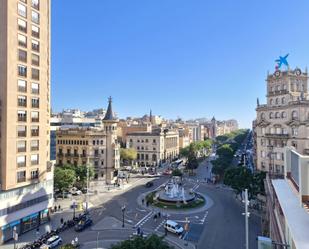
x=83, y=224
x=75, y=191
x=52, y=242
x=149, y=184
x=173, y=227
x=167, y=172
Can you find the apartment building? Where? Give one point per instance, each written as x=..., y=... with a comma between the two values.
x=154, y=147
x=288, y=203
x=94, y=146
x=283, y=120
x=26, y=176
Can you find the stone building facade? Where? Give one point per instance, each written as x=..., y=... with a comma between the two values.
x=154, y=147
x=283, y=120
x=94, y=146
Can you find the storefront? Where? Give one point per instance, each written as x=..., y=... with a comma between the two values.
x=24, y=225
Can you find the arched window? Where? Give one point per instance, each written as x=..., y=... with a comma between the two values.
x=284, y=87
x=283, y=114
x=277, y=88
x=271, y=101
x=277, y=115
x=277, y=101
x=283, y=100
x=271, y=89
x=262, y=115
x=294, y=115
x=271, y=115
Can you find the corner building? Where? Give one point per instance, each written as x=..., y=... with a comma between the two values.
x=283, y=120
x=26, y=175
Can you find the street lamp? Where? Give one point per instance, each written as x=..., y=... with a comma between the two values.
x=123, y=209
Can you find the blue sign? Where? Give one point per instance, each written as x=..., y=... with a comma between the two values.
x=282, y=61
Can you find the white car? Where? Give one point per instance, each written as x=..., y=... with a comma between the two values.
x=52, y=242
x=75, y=191
x=173, y=227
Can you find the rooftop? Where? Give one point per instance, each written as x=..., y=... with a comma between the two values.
x=295, y=215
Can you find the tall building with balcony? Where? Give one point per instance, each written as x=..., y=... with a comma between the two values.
x=26, y=177
x=283, y=120
x=94, y=146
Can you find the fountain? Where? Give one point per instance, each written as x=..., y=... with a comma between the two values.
x=174, y=193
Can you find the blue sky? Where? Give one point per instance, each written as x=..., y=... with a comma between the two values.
x=183, y=58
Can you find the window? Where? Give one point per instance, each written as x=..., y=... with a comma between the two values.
x=34, y=145
x=35, y=4
x=35, y=60
x=22, y=25
x=283, y=114
x=271, y=115
x=35, y=74
x=284, y=131
x=270, y=101
x=35, y=31
x=34, y=159
x=21, y=176
x=277, y=101
x=294, y=131
x=294, y=115
x=21, y=161
x=21, y=146
x=294, y=144
x=262, y=115
x=277, y=115
x=22, y=116
x=21, y=131
x=283, y=100
x=35, y=102
x=34, y=131
x=35, y=88
x=22, y=101
x=22, y=40
x=263, y=130
x=22, y=10
x=263, y=154
x=34, y=116
x=278, y=130
x=22, y=85
x=35, y=17
x=154, y=141
x=35, y=45
x=34, y=174
x=284, y=87
x=22, y=70
x=278, y=156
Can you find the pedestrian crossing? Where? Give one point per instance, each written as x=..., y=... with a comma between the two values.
x=160, y=225
x=144, y=219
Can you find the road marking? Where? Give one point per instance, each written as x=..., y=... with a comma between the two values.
x=141, y=210
x=160, y=225
x=204, y=218
x=144, y=219
x=130, y=221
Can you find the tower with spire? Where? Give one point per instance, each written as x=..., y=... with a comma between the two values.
x=213, y=127
x=112, y=155
x=150, y=116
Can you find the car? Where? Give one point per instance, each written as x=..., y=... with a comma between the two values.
x=83, y=224
x=75, y=191
x=173, y=227
x=52, y=242
x=149, y=184
x=167, y=172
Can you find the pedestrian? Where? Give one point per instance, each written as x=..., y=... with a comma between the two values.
x=155, y=217
x=138, y=230
x=159, y=215
x=147, y=203
x=55, y=208
x=61, y=220
x=143, y=201
x=59, y=207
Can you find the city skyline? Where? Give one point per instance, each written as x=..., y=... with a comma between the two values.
x=172, y=60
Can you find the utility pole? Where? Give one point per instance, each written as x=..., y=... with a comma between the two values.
x=246, y=214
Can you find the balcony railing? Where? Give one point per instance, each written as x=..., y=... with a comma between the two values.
x=22, y=103
x=21, y=179
x=60, y=154
x=21, y=149
x=34, y=162
x=35, y=34
x=35, y=91
x=22, y=28
x=22, y=89
x=35, y=105
x=35, y=119
x=281, y=135
x=22, y=118
x=35, y=6
x=83, y=155
x=34, y=133
x=35, y=47
x=22, y=44
x=68, y=154
x=35, y=62
x=22, y=134
x=75, y=155
x=21, y=164
x=34, y=148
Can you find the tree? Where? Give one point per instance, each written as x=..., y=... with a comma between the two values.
x=226, y=151
x=152, y=242
x=192, y=162
x=67, y=246
x=184, y=152
x=64, y=178
x=80, y=173
x=129, y=154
